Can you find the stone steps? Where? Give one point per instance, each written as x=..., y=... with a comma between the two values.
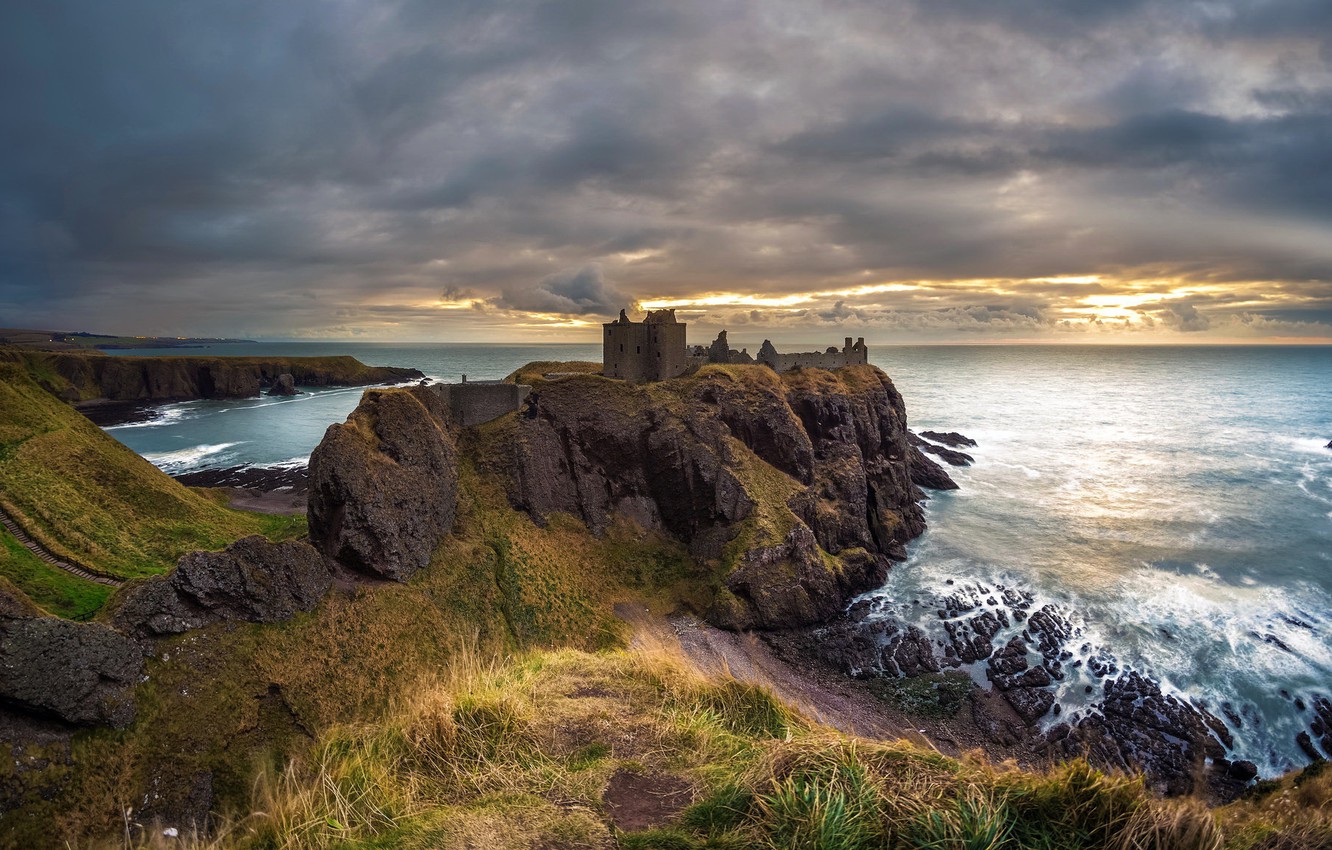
x=40, y=551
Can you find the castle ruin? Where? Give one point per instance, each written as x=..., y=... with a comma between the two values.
x=475, y=402
x=650, y=350
x=654, y=349
x=850, y=355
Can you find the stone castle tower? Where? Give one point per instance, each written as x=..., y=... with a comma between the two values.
x=650, y=350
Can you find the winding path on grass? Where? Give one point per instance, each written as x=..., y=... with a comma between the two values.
x=40, y=551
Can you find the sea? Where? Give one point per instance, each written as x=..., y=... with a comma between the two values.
x=1175, y=502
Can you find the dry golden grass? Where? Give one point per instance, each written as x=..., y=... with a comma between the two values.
x=517, y=752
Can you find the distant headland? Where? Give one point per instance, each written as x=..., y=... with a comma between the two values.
x=82, y=340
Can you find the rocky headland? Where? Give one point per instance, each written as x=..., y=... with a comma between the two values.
x=91, y=379
x=761, y=502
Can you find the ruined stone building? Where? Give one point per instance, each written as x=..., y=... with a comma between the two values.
x=650, y=350
x=654, y=349
x=719, y=352
x=850, y=355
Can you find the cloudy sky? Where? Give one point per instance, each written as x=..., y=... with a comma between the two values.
x=906, y=170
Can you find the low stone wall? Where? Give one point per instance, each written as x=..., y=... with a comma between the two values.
x=474, y=402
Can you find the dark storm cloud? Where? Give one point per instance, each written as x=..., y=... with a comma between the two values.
x=572, y=292
x=206, y=167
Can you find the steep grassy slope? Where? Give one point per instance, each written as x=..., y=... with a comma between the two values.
x=222, y=702
x=89, y=499
x=51, y=588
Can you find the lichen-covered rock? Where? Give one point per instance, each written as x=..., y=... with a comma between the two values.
x=80, y=673
x=800, y=483
x=384, y=484
x=251, y=580
x=772, y=587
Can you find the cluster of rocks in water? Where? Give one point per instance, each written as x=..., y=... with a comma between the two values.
x=1124, y=721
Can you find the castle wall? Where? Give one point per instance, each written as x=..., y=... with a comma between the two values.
x=666, y=342
x=623, y=352
x=850, y=355
x=475, y=402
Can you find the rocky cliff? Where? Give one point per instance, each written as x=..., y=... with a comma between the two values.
x=798, y=486
x=83, y=376
x=384, y=483
x=797, y=489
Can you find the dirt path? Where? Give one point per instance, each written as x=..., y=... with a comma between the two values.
x=825, y=696
x=40, y=551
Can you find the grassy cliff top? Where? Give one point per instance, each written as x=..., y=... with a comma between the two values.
x=89, y=499
x=535, y=372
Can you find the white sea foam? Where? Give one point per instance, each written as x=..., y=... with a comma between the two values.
x=191, y=458
x=165, y=416
x=289, y=463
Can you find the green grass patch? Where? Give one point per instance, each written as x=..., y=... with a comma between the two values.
x=89, y=499
x=51, y=588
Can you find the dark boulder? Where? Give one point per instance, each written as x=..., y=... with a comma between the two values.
x=251, y=580
x=1321, y=725
x=80, y=673
x=1031, y=704
x=284, y=385
x=384, y=484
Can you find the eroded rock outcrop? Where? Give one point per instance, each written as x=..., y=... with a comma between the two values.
x=1139, y=728
x=251, y=580
x=801, y=483
x=384, y=484
x=928, y=474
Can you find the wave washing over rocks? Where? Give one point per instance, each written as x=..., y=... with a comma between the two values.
x=1050, y=683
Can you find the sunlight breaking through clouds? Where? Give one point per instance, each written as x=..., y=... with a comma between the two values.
x=1150, y=170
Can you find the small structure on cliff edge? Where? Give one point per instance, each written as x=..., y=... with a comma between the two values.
x=650, y=350
x=654, y=349
x=474, y=402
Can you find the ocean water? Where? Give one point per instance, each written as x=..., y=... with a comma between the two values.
x=283, y=431
x=1175, y=502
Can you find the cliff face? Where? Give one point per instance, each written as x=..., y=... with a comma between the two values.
x=79, y=376
x=383, y=485
x=797, y=489
x=799, y=485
